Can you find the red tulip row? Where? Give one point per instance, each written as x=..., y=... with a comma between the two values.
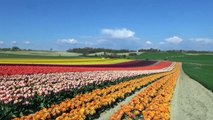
x=36, y=69
x=86, y=104
x=157, y=108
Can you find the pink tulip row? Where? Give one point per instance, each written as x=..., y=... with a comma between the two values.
x=19, y=88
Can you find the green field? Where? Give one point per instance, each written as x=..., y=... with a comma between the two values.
x=197, y=66
x=39, y=54
x=200, y=72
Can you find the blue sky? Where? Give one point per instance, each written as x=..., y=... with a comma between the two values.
x=127, y=24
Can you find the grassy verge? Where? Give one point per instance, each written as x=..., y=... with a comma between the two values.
x=200, y=72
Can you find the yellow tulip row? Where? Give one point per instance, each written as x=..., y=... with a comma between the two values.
x=87, y=104
x=160, y=90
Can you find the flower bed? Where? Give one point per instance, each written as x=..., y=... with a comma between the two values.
x=86, y=104
x=152, y=103
x=35, y=69
x=19, y=88
x=25, y=94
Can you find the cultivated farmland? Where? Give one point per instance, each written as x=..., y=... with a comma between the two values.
x=94, y=88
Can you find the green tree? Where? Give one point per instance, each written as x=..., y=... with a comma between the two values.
x=15, y=48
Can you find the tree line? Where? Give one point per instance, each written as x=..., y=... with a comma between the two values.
x=89, y=50
x=14, y=48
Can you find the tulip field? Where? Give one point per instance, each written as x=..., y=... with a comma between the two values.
x=78, y=92
x=36, y=69
x=153, y=102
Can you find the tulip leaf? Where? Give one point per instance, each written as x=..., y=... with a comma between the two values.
x=42, y=105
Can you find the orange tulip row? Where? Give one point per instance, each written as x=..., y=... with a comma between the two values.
x=160, y=90
x=159, y=108
x=87, y=104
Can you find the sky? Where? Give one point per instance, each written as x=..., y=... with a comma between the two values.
x=116, y=24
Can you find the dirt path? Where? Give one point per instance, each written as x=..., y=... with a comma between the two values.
x=191, y=101
x=107, y=114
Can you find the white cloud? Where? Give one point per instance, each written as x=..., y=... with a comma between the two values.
x=148, y=42
x=174, y=40
x=26, y=42
x=118, y=33
x=1, y=42
x=161, y=43
x=68, y=41
x=202, y=40
x=14, y=42
x=101, y=41
x=108, y=38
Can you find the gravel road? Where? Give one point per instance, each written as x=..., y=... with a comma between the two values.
x=191, y=101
